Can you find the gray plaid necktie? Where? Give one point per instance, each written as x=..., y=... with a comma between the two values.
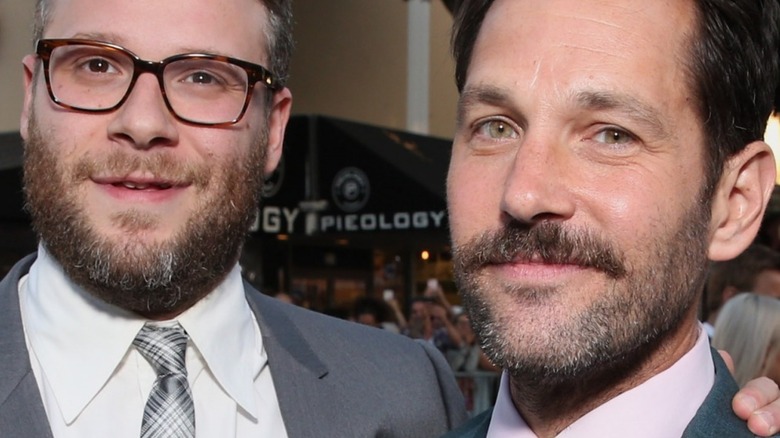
x=169, y=412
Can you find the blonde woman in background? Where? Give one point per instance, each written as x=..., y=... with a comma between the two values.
x=748, y=327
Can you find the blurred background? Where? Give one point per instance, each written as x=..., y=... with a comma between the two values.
x=357, y=207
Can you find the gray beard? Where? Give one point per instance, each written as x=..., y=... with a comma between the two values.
x=156, y=279
x=641, y=305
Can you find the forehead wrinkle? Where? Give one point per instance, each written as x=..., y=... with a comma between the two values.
x=122, y=42
x=628, y=105
x=608, y=52
x=109, y=37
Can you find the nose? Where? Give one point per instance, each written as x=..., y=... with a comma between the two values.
x=144, y=121
x=536, y=187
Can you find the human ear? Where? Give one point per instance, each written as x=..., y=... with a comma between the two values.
x=278, y=116
x=29, y=63
x=740, y=200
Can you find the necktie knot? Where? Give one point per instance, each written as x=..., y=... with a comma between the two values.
x=164, y=348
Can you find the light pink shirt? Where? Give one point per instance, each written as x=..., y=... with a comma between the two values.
x=661, y=407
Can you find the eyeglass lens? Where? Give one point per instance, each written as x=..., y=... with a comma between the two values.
x=197, y=89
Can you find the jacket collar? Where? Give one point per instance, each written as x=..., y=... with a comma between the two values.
x=21, y=407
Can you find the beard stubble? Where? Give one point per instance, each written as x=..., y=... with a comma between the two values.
x=153, y=279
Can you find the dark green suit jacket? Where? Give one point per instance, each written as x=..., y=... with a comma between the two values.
x=714, y=419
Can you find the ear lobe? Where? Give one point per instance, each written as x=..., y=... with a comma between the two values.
x=740, y=200
x=278, y=116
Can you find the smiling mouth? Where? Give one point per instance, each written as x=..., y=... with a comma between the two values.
x=143, y=186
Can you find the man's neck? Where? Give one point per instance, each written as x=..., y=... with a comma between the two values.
x=548, y=408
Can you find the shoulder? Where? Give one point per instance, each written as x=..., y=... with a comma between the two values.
x=20, y=269
x=382, y=377
x=476, y=427
x=329, y=333
x=9, y=296
x=715, y=417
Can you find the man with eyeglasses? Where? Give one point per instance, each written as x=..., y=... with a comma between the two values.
x=148, y=128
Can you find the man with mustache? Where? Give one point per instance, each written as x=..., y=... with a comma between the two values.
x=604, y=151
x=149, y=126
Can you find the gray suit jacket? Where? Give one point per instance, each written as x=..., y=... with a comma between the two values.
x=714, y=419
x=332, y=378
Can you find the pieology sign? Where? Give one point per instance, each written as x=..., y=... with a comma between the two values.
x=350, y=194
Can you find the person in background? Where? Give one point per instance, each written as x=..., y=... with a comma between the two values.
x=149, y=126
x=757, y=269
x=748, y=327
x=445, y=336
x=419, y=323
x=375, y=313
x=469, y=355
x=284, y=297
x=604, y=151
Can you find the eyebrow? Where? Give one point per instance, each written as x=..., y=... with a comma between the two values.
x=483, y=94
x=120, y=41
x=100, y=36
x=593, y=100
x=629, y=106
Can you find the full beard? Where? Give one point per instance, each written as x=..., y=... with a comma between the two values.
x=642, y=303
x=153, y=279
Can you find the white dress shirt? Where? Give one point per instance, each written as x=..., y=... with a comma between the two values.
x=661, y=407
x=94, y=383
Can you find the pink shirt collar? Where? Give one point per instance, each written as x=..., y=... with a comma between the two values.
x=661, y=407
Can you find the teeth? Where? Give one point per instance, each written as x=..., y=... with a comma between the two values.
x=134, y=186
x=142, y=186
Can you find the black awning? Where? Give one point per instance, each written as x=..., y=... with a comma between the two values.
x=11, y=198
x=341, y=176
x=11, y=150
x=344, y=177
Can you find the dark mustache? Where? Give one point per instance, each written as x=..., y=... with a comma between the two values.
x=160, y=165
x=547, y=242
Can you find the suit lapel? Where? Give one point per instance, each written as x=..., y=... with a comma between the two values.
x=298, y=373
x=715, y=416
x=477, y=427
x=21, y=408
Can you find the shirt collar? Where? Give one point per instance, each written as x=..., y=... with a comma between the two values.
x=224, y=330
x=668, y=401
x=78, y=358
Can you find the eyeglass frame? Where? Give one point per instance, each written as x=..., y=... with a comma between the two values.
x=255, y=73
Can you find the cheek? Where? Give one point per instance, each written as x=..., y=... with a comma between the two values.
x=474, y=191
x=627, y=204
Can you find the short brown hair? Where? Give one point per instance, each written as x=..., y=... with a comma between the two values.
x=279, y=33
x=733, y=70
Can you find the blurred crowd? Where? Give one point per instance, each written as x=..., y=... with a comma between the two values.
x=431, y=318
x=740, y=311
